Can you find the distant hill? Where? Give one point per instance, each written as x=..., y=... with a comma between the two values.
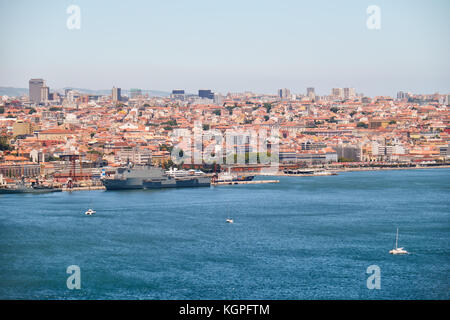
x=16, y=92
x=13, y=92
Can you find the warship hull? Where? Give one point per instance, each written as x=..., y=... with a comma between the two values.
x=149, y=177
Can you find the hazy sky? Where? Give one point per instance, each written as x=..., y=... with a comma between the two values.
x=228, y=46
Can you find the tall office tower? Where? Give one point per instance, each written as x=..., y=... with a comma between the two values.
x=284, y=93
x=310, y=93
x=349, y=93
x=116, y=94
x=218, y=99
x=44, y=94
x=134, y=93
x=401, y=95
x=208, y=94
x=35, y=86
x=337, y=93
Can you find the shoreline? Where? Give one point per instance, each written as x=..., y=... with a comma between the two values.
x=355, y=169
x=388, y=168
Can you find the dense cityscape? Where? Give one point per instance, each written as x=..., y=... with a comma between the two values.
x=69, y=135
x=225, y=159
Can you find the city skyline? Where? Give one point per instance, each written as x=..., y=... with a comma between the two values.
x=255, y=46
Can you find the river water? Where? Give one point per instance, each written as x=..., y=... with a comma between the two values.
x=304, y=238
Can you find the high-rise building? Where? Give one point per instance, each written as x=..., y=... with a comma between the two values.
x=337, y=93
x=116, y=94
x=349, y=93
x=218, y=99
x=208, y=94
x=178, y=94
x=401, y=95
x=284, y=93
x=45, y=94
x=310, y=93
x=35, y=86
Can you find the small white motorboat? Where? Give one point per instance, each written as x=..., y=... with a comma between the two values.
x=398, y=250
x=90, y=212
x=229, y=220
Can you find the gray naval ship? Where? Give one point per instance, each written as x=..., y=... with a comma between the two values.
x=22, y=187
x=150, y=177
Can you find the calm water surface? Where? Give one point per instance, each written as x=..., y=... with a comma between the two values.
x=304, y=238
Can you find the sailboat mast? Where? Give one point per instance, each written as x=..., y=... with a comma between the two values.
x=396, y=240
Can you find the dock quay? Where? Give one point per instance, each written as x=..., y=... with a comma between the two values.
x=84, y=188
x=307, y=174
x=223, y=183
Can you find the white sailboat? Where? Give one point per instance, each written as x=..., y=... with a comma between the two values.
x=397, y=250
x=229, y=220
x=90, y=212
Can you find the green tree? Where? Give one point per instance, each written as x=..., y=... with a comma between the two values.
x=170, y=123
x=268, y=107
x=362, y=125
x=165, y=147
x=168, y=164
x=332, y=120
x=342, y=159
x=4, y=145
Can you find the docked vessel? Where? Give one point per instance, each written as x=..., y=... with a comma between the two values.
x=229, y=177
x=150, y=177
x=309, y=172
x=22, y=187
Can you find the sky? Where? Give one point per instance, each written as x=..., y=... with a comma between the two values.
x=228, y=46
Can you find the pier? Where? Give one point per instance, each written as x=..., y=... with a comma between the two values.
x=84, y=188
x=222, y=183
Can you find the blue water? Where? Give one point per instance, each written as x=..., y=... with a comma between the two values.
x=304, y=238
